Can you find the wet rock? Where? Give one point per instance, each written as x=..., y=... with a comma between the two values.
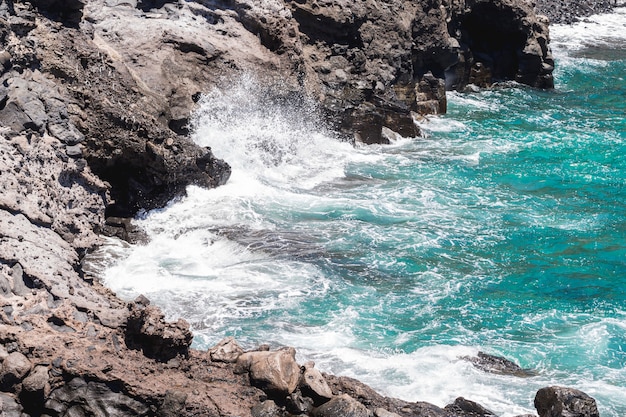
x=147, y=330
x=227, y=350
x=498, y=365
x=564, y=402
x=466, y=408
x=14, y=368
x=275, y=372
x=342, y=406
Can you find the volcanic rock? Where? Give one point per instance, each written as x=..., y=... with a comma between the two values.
x=466, y=408
x=564, y=402
x=227, y=350
x=147, y=330
x=314, y=383
x=14, y=368
x=498, y=365
x=275, y=372
x=343, y=405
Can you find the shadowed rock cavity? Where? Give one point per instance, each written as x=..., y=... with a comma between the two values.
x=501, y=41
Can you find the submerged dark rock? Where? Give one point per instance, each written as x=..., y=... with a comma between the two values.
x=499, y=365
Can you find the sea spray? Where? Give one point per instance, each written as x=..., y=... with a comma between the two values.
x=503, y=229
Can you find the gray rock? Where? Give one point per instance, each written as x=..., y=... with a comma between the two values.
x=14, y=368
x=570, y=11
x=37, y=380
x=342, y=406
x=5, y=285
x=275, y=372
x=267, y=408
x=565, y=402
x=315, y=385
x=9, y=406
x=381, y=412
x=74, y=151
x=19, y=282
x=226, y=350
x=296, y=403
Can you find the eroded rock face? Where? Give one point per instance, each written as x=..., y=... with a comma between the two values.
x=95, y=99
x=500, y=41
x=564, y=402
x=79, y=397
x=147, y=330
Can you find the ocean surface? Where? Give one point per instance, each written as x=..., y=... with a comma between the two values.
x=502, y=229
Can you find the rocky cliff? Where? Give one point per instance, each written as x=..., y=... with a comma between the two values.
x=95, y=99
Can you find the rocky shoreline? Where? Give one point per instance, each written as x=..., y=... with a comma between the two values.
x=95, y=100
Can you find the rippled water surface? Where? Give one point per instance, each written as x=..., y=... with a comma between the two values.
x=502, y=230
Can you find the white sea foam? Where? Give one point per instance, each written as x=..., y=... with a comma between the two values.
x=603, y=30
x=227, y=258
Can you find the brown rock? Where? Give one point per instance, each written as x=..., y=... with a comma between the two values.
x=147, y=330
x=226, y=350
x=37, y=381
x=315, y=385
x=276, y=372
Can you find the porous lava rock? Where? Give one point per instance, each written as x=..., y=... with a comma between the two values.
x=558, y=401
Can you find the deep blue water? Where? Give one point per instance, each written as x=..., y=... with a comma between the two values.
x=503, y=229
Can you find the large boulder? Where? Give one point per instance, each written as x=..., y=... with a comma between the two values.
x=275, y=372
x=558, y=401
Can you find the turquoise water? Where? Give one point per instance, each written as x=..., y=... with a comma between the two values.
x=502, y=230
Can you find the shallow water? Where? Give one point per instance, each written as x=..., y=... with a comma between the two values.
x=502, y=230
